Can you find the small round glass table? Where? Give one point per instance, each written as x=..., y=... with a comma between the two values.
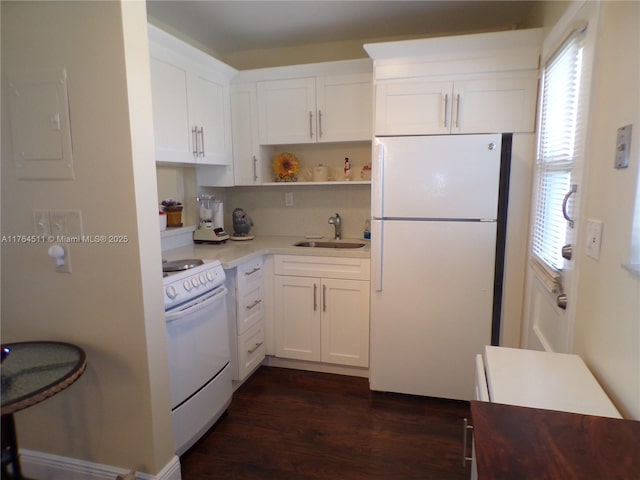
x=30, y=373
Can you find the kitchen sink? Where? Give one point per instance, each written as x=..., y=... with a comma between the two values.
x=329, y=244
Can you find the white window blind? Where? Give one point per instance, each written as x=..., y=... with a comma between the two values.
x=559, y=143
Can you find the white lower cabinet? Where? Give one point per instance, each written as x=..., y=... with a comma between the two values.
x=247, y=317
x=322, y=309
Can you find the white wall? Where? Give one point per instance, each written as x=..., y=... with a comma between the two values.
x=118, y=412
x=607, y=326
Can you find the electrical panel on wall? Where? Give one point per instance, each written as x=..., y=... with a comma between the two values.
x=40, y=126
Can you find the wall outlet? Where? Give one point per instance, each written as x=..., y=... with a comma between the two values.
x=594, y=238
x=288, y=199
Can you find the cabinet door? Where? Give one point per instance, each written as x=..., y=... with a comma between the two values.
x=345, y=107
x=209, y=102
x=287, y=111
x=494, y=105
x=173, y=142
x=413, y=108
x=244, y=125
x=345, y=322
x=297, y=317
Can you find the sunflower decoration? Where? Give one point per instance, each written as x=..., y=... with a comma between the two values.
x=286, y=167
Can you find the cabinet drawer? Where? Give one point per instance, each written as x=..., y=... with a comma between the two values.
x=327, y=267
x=251, y=350
x=250, y=273
x=249, y=306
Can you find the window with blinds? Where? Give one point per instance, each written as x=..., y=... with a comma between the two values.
x=559, y=144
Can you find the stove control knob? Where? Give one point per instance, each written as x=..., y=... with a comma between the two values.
x=195, y=282
x=187, y=285
x=203, y=279
x=171, y=292
x=210, y=276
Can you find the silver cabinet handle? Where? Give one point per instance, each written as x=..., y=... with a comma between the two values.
x=254, y=304
x=458, y=111
x=446, y=108
x=319, y=123
x=255, y=269
x=258, y=345
x=567, y=252
x=466, y=428
x=574, y=189
x=255, y=169
x=310, y=124
x=315, y=303
x=201, y=141
x=324, y=298
x=194, y=137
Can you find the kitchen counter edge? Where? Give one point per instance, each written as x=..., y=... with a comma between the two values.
x=233, y=253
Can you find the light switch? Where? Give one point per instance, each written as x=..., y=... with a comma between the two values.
x=66, y=223
x=623, y=145
x=41, y=223
x=594, y=238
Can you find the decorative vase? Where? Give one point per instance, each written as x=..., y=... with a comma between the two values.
x=174, y=216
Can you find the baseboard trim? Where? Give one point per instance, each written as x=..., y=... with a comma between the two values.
x=54, y=467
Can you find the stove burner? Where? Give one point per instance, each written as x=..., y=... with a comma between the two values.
x=180, y=265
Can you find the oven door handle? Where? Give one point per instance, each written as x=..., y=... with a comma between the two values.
x=204, y=302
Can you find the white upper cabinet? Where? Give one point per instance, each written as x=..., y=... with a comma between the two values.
x=191, y=103
x=333, y=108
x=287, y=111
x=345, y=107
x=247, y=165
x=483, y=83
x=483, y=105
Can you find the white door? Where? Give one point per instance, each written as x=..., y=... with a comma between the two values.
x=287, y=111
x=413, y=108
x=449, y=177
x=345, y=322
x=550, y=292
x=244, y=121
x=344, y=105
x=297, y=317
x=170, y=112
x=494, y=105
x=431, y=305
x=210, y=106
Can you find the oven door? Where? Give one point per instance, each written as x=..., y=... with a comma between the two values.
x=198, y=343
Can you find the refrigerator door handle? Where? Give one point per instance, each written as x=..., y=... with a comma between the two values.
x=377, y=185
x=376, y=254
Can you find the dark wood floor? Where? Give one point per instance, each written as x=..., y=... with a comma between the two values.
x=289, y=424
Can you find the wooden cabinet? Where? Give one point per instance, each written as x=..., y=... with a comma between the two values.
x=322, y=309
x=247, y=317
x=487, y=104
x=191, y=103
x=315, y=109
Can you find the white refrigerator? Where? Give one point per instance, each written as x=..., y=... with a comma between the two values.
x=434, y=224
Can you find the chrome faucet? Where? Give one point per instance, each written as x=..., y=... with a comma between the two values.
x=335, y=221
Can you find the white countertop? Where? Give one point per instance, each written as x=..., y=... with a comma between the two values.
x=233, y=253
x=553, y=381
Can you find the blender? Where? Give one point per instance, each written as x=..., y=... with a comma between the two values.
x=211, y=227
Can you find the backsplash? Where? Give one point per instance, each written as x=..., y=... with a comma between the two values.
x=312, y=207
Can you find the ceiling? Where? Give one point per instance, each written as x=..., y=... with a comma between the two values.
x=227, y=27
